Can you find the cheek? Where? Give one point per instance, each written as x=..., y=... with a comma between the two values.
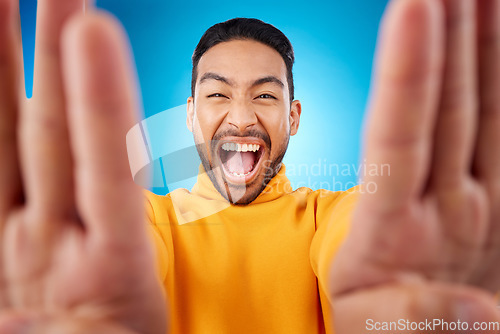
x=205, y=125
x=201, y=123
x=278, y=128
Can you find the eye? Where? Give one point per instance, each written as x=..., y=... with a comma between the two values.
x=217, y=95
x=266, y=96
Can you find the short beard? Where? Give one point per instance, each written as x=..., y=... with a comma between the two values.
x=269, y=171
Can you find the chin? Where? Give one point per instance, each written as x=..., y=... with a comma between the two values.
x=244, y=195
x=241, y=167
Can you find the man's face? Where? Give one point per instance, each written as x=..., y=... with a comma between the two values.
x=241, y=117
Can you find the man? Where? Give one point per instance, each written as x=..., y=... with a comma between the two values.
x=76, y=256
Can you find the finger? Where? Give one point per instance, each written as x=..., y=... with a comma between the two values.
x=45, y=148
x=103, y=107
x=487, y=159
x=415, y=308
x=88, y=5
x=456, y=124
x=404, y=100
x=487, y=155
x=10, y=181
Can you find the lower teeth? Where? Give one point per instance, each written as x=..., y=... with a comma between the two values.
x=241, y=175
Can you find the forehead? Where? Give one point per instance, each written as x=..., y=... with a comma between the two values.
x=242, y=61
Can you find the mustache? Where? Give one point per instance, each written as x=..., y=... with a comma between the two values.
x=233, y=133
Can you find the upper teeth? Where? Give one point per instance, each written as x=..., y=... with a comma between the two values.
x=240, y=147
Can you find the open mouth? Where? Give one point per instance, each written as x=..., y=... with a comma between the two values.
x=240, y=160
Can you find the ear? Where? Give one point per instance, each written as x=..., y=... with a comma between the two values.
x=295, y=111
x=190, y=113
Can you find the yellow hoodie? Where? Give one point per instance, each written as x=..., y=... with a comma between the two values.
x=259, y=268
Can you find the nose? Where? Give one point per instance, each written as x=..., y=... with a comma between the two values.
x=241, y=115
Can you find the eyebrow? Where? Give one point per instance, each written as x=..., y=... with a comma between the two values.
x=215, y=76
x=258, y=82
x=268, y=79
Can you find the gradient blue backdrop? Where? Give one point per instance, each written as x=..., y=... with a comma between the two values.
x=334, y=44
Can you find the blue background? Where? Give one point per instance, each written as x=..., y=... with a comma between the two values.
x=334, y=44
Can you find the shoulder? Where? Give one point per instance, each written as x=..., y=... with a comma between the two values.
x=324, y=199
x=333, y=205
x=161, y=206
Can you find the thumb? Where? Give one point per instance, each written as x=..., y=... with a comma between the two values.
x=11, y=323
x=35, y=324
x=417, y=307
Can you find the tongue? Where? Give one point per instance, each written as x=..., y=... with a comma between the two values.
x=241, y=162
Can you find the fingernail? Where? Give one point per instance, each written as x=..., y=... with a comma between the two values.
x=465, y=310
x=470, y=311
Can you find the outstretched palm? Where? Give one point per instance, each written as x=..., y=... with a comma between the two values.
x=429, y=236
x=74, y=245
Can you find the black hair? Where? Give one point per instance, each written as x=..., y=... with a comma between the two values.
x=241, y=29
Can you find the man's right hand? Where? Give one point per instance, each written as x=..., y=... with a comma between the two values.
x=75, y=255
